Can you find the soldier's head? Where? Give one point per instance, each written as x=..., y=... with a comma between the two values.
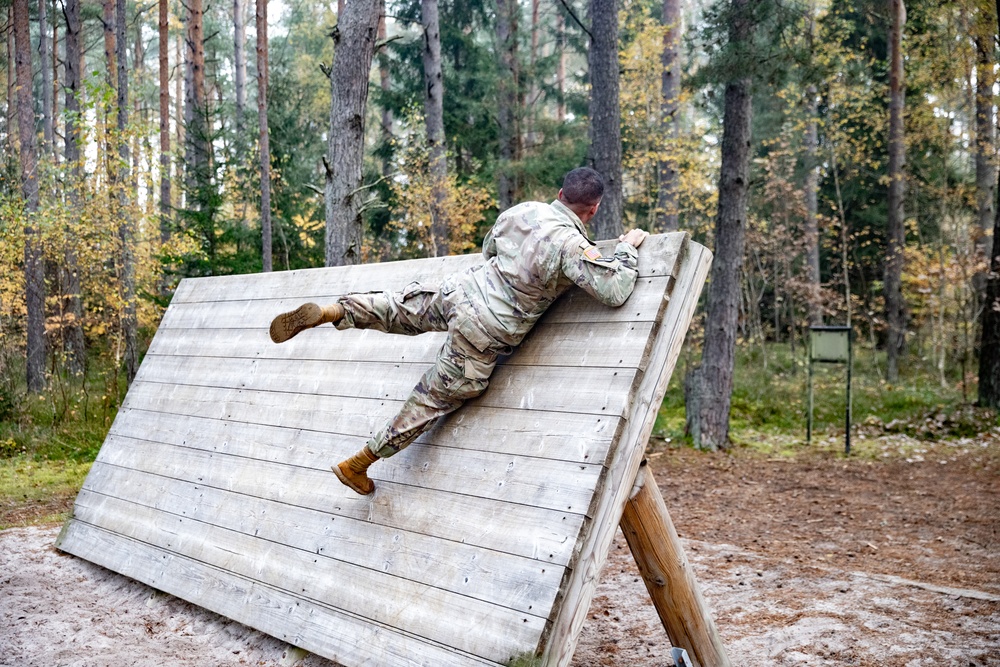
x=581, y=192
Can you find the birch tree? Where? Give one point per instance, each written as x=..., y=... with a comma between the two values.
x=895, y=306
x=265, y=135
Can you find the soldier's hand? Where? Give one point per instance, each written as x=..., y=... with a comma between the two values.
x=634, y=237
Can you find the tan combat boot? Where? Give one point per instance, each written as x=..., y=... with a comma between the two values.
x=353, y=472
x=306, y=316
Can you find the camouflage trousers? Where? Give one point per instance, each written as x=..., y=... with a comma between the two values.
x=460, y=372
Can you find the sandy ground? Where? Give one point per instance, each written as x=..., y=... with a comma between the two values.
x=811, y=561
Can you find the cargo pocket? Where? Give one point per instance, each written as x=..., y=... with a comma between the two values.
x=479, y=369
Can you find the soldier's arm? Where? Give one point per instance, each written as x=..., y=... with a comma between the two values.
x=610, y=280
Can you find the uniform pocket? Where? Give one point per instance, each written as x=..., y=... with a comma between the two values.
x=479, y=369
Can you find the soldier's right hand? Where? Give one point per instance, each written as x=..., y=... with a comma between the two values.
x=634, y=237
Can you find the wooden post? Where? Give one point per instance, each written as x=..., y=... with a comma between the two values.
x=664, y=567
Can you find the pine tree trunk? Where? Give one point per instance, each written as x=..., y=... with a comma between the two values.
x=11, y=86
x=507, y=97
x=163, y=26
x=434, y=120
x=354, y=45
x=265, y=136
x=240, y=63
x=666, y=200
x=605, y=154
x=55, y=80
x=196, y=105
x=985, y=130
x=34, y=268
x=989, y=348
x=386, y=86
x=72, y=298
x=708, y=388
x=43, y=51
x=895, y=232
x=561, y=67
x=812, y=207
x=126, y=186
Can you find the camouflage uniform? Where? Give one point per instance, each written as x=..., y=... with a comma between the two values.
x=534, y=253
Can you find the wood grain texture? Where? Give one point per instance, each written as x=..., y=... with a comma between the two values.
x=483, y=539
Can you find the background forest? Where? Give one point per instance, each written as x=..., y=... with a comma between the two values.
x=838, y=156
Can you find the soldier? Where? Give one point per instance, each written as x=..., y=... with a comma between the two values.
x=534, y=253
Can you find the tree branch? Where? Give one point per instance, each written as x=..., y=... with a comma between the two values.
x=576, y=18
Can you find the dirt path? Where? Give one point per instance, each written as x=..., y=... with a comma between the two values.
x=816, y=560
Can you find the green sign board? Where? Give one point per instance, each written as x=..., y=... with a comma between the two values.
x=830, y=345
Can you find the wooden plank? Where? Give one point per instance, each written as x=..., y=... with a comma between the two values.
x=657, y=550
x=596, y=390
x=552, y=484
x=469, y=625
x=596, y=537
x=522, y=530
x=567, y=344
x=305, y=623
x=582, y=438
x=658, y=258
x=249, y=312
x=492, y=576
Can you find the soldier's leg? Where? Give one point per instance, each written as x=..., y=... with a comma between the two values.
x=461, y=372
x=413, y=311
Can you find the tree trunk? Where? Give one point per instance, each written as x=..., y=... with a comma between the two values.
x=605, y=153
x=434, y=120
x=11, y=86
x=811, y=222
x=985, y=130
x=111, y=79
x=126, y=227
x=265, y=136
x=385, y=85
x=895, y=307
x=989, y=348
x=240, y=63
x=666, y=199
x=180, y=123
x=561, y=67
x=72, y=306
x=43, y=52
x=507, y=106
x=195, y=112
x=55, y=80
x=354, y=44
x=708, y=388
x=34, y=268
x=163, y=26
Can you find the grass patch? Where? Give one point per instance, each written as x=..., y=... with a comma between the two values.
x=33, y=491
x=770, y=401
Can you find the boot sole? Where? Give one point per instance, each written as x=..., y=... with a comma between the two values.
x=288, y=325
x=351, y=485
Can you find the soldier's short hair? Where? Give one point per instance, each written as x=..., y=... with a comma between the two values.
x=583, y=186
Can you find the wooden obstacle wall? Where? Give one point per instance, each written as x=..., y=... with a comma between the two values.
x=484, y=540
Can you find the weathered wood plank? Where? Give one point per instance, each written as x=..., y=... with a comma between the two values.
x=596, y=390
x=484, y=574
x=569, y=344
x=522, y=530
x=596, y=537
x=249, y=312
x=659, y=258
x=311, y=625
x=552, y=484
x=469, y=625
x=581, y=438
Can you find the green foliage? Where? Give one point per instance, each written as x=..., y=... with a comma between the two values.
x=770, y=399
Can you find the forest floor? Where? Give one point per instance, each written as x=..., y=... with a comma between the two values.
x=890, y=557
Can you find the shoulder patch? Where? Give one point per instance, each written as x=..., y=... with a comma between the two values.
x=592, y=253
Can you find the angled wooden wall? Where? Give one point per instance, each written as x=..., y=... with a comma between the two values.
x=484, y=539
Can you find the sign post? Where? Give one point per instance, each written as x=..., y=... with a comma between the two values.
x=831, y=345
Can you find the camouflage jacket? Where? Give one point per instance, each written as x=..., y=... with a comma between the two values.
x=534, y=253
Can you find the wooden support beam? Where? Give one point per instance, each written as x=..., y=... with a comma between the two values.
x=657, y=550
